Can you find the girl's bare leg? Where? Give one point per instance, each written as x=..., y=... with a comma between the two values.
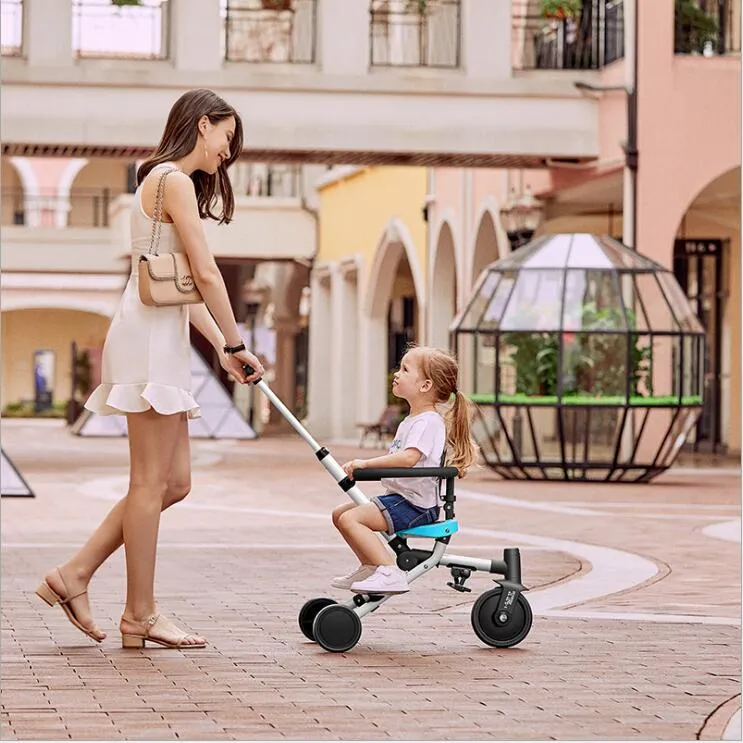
x=359, y=526
x=108, y=537
x=337, y=513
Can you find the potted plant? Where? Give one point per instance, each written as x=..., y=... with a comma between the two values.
x=122, y=3
x=276, y=4
x=420, y=7
x=695, y=28
x=561, y=9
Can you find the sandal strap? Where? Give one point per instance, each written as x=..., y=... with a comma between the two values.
x=149, y=623
x=70, y=598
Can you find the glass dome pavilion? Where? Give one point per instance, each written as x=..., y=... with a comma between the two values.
x=585, y=361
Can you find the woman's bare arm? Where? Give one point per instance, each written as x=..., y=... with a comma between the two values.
x=179, y=203
x=202, y=320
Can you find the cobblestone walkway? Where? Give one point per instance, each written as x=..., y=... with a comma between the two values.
x=636, y=632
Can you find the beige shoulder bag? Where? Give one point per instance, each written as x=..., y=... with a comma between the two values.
x=165, y=280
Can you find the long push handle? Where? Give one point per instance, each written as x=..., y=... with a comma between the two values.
x=274, y=399
x=326, y=459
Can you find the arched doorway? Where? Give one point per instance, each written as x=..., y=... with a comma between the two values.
x=443, y=288
x=27, y=331
x=91, y=187
x=13, y=194
x=707, y=264
x=393, y=313
x=486, y=246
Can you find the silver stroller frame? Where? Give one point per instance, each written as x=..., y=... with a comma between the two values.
x=501, y=617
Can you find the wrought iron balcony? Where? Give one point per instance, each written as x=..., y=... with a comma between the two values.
x=11, y=28
x=708, y=27
x=270, y=31
x=589, y=41
x=415, y=33
x=120, y=30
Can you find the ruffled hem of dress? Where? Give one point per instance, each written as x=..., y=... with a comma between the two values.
x=120, y=399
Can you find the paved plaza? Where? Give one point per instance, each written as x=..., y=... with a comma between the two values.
x=636, y=592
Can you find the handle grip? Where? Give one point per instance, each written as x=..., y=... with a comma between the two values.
x=377, y=473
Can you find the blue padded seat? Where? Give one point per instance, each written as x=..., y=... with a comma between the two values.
x=434, y=531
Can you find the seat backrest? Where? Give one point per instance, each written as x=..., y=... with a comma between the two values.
x=442, y=463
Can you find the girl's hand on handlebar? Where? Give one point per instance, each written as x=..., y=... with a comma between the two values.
x=354, y=464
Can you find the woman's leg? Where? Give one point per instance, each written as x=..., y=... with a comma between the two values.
x=358, y=527
x=153, y=442
x=108, y=537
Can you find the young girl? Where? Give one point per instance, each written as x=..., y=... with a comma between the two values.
x=427, y=377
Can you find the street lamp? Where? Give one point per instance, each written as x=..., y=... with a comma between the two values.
x=520, y=217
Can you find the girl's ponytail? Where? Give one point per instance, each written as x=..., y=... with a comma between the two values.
x=442, y=369
x=461, y=447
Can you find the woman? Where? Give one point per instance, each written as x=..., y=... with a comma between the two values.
x=146, y=365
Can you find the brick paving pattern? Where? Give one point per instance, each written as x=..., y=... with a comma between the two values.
x=254, y=540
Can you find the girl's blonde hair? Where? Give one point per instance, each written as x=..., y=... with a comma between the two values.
x=443, y=371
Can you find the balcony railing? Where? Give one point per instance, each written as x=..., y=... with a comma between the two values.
x=11, y=28
x=708, y=27
x=105, y=29
x=589, y=41
x=84, y=208
x=415, y=33
x=270, y=31
x=273, y=181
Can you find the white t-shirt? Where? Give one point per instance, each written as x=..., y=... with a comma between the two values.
x=425, y=432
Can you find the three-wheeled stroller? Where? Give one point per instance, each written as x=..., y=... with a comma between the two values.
x=501, y=617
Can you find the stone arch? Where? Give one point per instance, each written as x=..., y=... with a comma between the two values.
x=443, y=299
x=395, y=243
x=722, y=194
x=47, y=325
x=90, y=187
x=66, y=179
x=486, y=249
x=714, y=212
x=101, y=307
x=28, y=202
x=13, y=192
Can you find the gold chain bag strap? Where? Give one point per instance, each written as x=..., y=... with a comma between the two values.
x=165, y=280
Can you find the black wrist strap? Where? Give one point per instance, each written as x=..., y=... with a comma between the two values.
x=234, y=349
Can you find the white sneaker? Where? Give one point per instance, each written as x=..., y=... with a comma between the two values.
x=361, y=572
x=386, y=579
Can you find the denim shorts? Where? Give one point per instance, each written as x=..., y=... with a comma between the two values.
x=400, y=513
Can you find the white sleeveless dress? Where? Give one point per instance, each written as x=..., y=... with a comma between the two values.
x=147, y=354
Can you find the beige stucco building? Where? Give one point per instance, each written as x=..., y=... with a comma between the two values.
x=467, y=101
x=448, y=225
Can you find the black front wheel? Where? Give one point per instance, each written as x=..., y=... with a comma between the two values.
x=336, y=628
x=308, y=613
x=489, y=625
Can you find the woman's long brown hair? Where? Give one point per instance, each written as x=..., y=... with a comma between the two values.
x=179, y=139
x=442, y=369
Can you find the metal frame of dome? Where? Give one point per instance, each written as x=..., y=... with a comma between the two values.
x=584, y=360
